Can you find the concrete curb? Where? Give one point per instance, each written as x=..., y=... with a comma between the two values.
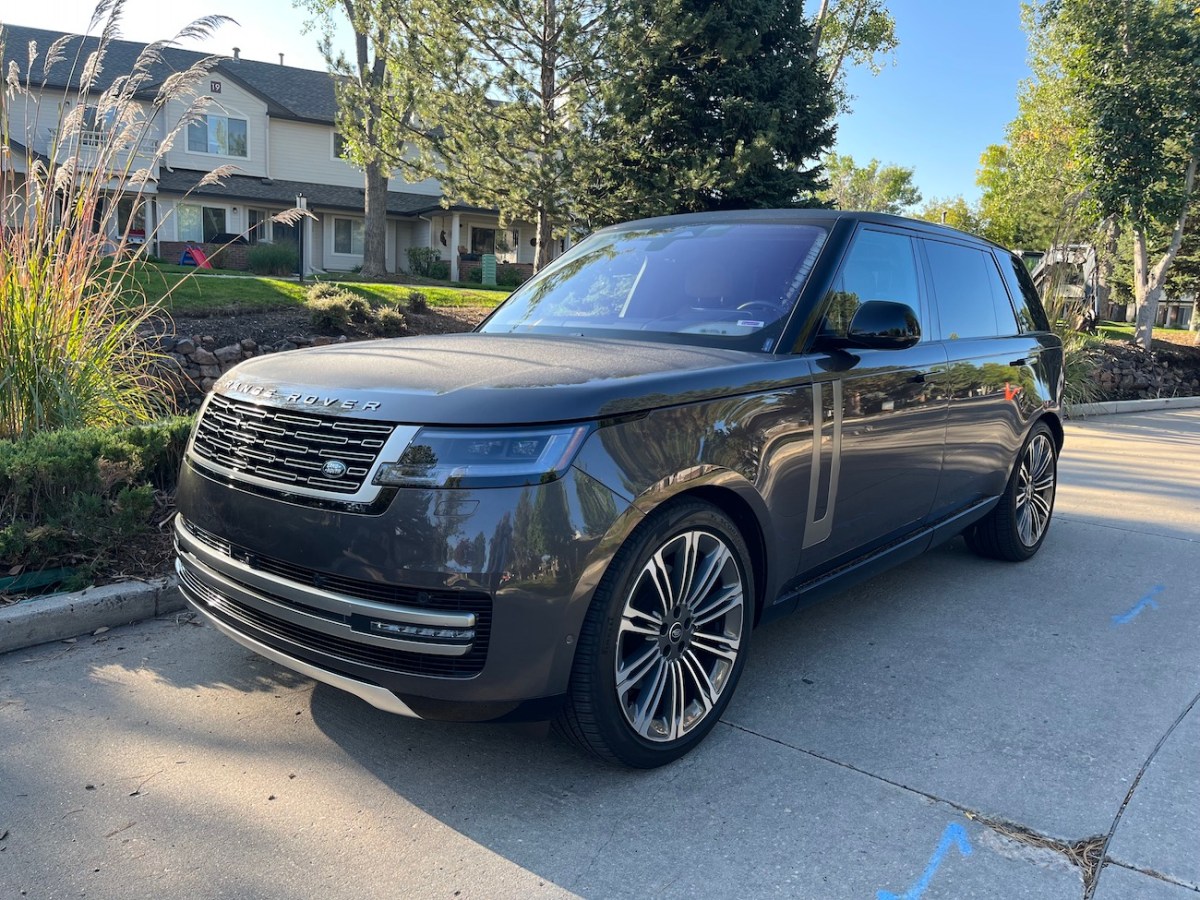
x=56, y=617
x=1115, y=407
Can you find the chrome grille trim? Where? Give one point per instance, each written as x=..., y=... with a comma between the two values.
x=284, y=451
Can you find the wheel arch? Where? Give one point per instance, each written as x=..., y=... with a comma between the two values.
x=1054, y=423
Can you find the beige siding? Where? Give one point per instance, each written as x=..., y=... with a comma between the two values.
x=302, y=151
x=34, y=119
x=235, y=102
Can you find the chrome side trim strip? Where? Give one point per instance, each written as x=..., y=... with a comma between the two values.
x=817, y=530
x=194, y=569
x=329, y=601
x=373, y=694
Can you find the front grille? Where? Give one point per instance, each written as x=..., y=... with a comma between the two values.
x=288, y=448
x=265, y=627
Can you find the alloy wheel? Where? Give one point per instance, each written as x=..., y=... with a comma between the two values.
x=679, y=636
x=1035, y=490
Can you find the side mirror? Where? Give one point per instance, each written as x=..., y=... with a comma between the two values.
x=883, y=325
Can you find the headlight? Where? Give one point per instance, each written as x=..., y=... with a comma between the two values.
x=462, y=458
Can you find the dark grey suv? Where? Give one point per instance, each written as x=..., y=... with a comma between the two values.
x=681, y=429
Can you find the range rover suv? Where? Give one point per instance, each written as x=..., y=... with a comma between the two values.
x=680, y=430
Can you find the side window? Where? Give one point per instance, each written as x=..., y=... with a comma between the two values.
x=880, y=266
x=1029, y=305
x=962, y=291
x=1006, y=319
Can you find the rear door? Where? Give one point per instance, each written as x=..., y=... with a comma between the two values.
x=990, y=380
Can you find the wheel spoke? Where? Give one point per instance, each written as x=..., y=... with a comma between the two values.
x=629, y=674
x=634, y=622
x=687, y=561
x=720, y=604
x=661, y=579
x=651, y=698
x=717, y=645
x=705, y=691
x=678, y=709
x=714, y=565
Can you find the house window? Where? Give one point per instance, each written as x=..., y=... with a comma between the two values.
x=131, y=215
x=339, y=146
x=200, y=223
x=348, y=236
x=258, y=223
x=483, y=240
x=219, y=135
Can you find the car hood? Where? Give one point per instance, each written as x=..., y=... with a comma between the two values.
x=491, y=379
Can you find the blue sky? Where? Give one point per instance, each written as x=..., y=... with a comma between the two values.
x=949, y=95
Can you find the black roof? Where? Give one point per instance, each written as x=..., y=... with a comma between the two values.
x=799, y=217
x=280, y=192
x=289, y=92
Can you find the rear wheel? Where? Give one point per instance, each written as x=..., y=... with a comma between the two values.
x=1016, y=528
x=665, y=640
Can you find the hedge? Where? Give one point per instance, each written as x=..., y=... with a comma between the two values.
x=76, y=498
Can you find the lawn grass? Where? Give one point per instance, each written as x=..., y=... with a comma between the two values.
x=188, y=291
x=1123, y=331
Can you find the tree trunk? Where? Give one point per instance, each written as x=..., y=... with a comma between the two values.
x=1105, y=263
x=1150, y=282
x=545, y=237
x=1140, y=286
x=375, y=222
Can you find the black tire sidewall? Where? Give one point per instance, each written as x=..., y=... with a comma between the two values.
x=605, y=617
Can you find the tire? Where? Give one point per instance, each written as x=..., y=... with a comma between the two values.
x=1015, y=529
x=660, y=652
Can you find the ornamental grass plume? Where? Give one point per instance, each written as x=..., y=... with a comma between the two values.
x=80, y=149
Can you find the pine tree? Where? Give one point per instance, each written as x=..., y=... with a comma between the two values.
x=713, y=106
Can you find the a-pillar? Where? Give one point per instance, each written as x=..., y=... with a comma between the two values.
x=455, y=228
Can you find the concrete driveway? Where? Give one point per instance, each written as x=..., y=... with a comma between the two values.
x=956, y=728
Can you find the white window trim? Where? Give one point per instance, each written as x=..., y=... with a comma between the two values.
x=200, y=206
x=228, y=114
x=333, y=251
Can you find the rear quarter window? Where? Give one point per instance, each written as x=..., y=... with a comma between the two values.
x=1030, y=312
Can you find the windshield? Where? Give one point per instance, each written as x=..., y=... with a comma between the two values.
x=721, y=284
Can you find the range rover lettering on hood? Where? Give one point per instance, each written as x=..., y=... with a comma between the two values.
x=295, y=398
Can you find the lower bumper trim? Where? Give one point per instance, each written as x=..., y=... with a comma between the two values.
x=378, y=697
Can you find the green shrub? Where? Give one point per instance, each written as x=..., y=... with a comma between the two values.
x=341, y=312
x=273, y=259
x=323, y=289
x=473, y=275
x=389, y=322
x=440, y=270
x=510, y=276
x=79, y=497
x=421, y=261
x=417, y=302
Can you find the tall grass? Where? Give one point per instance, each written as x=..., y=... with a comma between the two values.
x=77, y=169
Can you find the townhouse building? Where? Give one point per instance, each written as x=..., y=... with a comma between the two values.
x=275, y=125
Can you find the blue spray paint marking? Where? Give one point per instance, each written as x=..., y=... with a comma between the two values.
x=954, y=835
x=1148, y=600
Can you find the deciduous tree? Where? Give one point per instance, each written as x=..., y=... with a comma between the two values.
x=875, y=187
x=1132, y=65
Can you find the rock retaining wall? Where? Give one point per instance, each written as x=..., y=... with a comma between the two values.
x=1130, y=373
x=193, y=364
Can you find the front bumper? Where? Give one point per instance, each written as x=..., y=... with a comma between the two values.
x=445, y=605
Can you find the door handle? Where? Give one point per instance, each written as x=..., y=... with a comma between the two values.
x=920, y=378
x=1020, y=362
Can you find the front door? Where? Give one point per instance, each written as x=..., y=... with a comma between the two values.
x=877, y=453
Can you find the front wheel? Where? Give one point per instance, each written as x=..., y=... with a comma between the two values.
x=665, y=640
x=1016, y=528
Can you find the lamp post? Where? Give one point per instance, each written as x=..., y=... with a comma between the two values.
x=302, y=204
